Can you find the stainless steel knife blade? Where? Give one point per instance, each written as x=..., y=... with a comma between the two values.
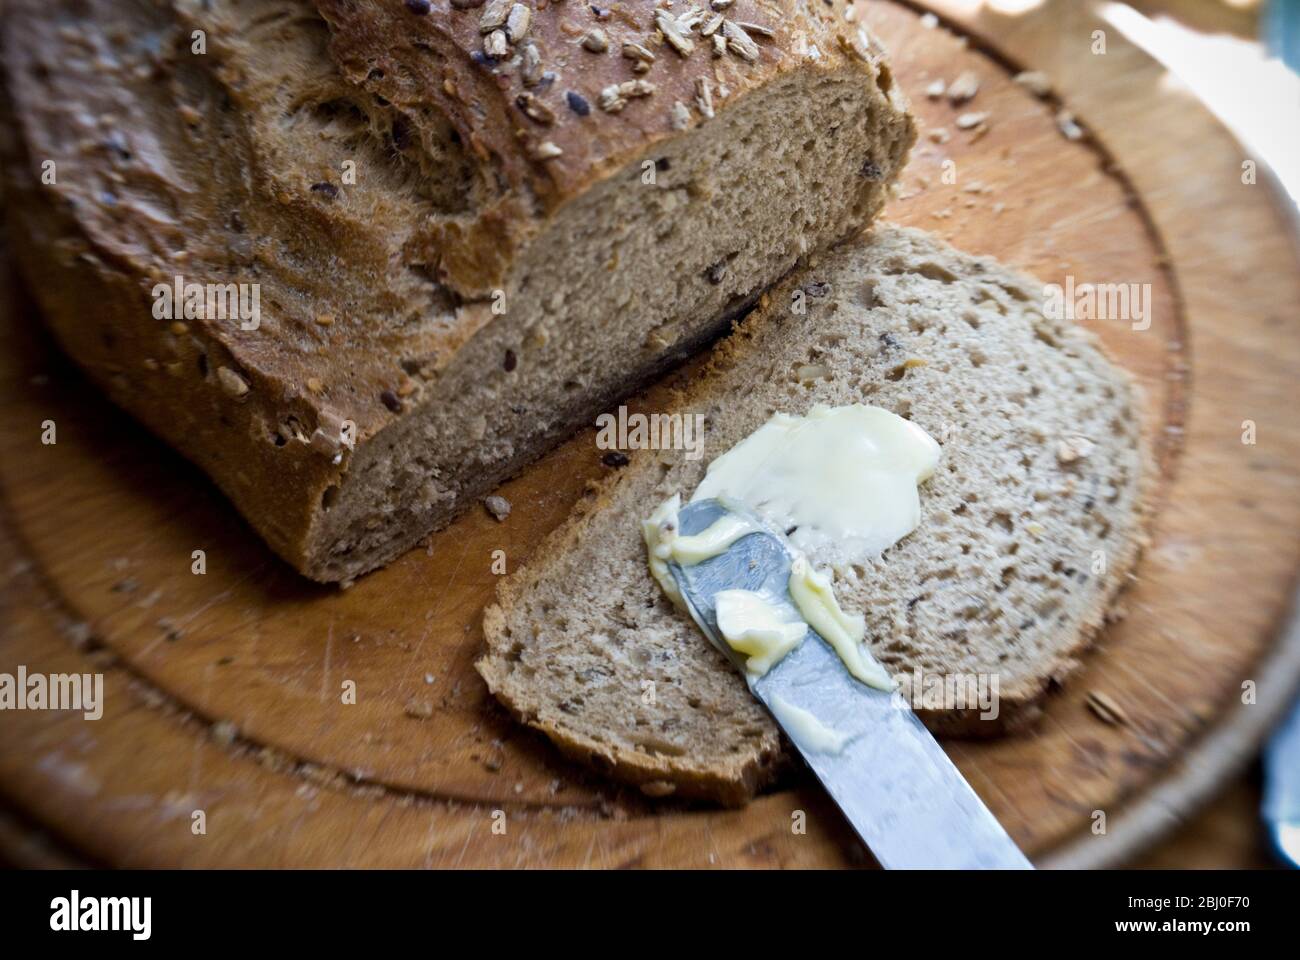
x=1281, y=805
x=891, y=779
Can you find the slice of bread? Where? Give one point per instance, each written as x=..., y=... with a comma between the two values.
x=1030, y=525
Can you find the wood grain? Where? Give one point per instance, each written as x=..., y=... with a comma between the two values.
x=224, y=689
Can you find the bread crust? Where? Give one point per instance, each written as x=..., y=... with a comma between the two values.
x=171, y=163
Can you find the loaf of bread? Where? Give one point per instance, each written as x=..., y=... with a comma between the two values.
x=430, y=237
x=1028, y=528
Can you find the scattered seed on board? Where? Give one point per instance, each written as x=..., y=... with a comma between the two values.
x=499, y=507
x=419, y=709
x=963, y=88
x=968, y=121
x=1035, y=81
x=224, y=732
x=936, y=89
x=1068, y=126
x=1106, y=709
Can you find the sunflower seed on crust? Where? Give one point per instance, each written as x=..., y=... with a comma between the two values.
x=530, y=69
x=610, y=100
x=496, y=46
x=673, y=33
x=534, y=109
x=704, y=95
x=494, y=15
x=518, y=21
x=687, y=21
x=739, y=42
x=634, y=51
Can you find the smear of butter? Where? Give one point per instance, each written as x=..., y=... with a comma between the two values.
x=803, y=727
x=844, y=478
x=753, y=626
x=713, y=540
x=815, y=599
x=659, y=530
x=664, y=541
x=840, y=483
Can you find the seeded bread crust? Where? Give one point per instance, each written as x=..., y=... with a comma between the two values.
x=999, y=578
x=463, y=249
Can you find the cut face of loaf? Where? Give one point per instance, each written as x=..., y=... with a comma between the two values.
x=458, y=257
x=1041, y=472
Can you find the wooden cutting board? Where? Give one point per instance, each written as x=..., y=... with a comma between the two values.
x=223, y=690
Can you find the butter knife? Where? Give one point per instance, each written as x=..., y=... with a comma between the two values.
x=879, y=763
x=1281, y=804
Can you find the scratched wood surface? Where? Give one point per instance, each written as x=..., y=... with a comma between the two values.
x=223, y=690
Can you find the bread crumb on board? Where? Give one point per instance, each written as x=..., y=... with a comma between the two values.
x=1106, y=710
x=499, y=507
x=1068, y=126
x=963, y=88
x=1035, y=81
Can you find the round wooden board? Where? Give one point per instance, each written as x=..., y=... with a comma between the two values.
x=223, y=691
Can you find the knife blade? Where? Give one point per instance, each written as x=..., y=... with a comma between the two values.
x=892, y=780
x=1281, y=803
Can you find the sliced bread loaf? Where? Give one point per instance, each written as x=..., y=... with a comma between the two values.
x=1028, y=528
x=469, y=225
